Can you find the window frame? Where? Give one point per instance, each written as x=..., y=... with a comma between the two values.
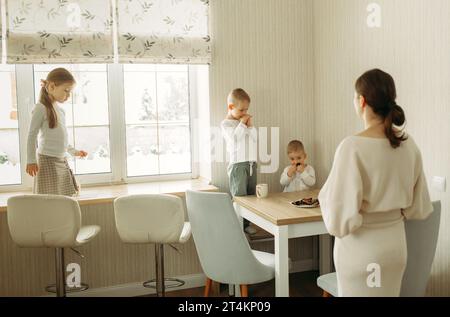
x=22, y=158
x=117, y=130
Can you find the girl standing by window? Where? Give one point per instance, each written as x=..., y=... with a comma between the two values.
x=50, y=168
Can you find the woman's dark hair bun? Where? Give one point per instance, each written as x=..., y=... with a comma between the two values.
x=378, y=89
x=398, y=116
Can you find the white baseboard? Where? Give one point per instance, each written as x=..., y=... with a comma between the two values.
x=191, y=281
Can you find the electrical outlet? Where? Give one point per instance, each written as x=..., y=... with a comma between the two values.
x=439, y=183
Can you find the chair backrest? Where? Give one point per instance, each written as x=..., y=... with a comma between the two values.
x=152, y=218
x=421, y=238
x=43, y=220
x=223, y=249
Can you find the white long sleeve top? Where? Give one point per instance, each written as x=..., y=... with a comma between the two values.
x=241, y=141
x=369, y=176
x=51, y=142
x=298, y=181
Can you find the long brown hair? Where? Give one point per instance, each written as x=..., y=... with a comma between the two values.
x=57, y=76
x=378, y=89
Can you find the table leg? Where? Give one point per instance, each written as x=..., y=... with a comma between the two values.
x=231, y=290
x=238, y=213
x=237, y=291
x=281, y=262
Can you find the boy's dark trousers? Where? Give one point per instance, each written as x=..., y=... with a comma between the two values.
x=242, y=181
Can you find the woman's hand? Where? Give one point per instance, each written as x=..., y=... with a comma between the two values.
x=81, y=154
x=32, y=169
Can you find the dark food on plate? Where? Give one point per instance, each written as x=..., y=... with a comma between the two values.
x=306, y=201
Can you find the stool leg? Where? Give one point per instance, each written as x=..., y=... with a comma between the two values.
x=60, y=273
x=326, y=294
x=244, y=290
x=159, y=258
x=207, y=287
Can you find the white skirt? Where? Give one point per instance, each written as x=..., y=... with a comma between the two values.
x=371, y=261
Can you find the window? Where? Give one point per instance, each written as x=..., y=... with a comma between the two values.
x=133, y=120
x=157, y=119
x=10, y=168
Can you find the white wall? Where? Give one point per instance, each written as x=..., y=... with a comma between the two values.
x=265, y=47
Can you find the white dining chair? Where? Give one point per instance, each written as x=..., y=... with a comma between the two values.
x=421, y=240
x=223, y=249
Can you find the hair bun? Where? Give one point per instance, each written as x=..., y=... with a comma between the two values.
x=398, y=115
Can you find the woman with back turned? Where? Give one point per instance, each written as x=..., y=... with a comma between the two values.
x=376, y=181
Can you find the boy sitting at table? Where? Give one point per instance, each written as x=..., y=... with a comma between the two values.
x=298, y=176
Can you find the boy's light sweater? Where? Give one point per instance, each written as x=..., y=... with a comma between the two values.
x=241, y=141
x=298, y=181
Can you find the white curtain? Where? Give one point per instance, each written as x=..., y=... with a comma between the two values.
x=163, y=31
x=59, y=31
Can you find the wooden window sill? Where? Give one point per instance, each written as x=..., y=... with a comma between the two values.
x=106, y=194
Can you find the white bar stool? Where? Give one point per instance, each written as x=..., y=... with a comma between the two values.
x=49, y=221
x=153, y=219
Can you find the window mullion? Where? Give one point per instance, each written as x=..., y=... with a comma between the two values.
x=193, y=120
x=25, y=104
x=157, y=122
x=117, y=122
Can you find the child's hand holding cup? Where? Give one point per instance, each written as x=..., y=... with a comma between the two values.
x=262, y=190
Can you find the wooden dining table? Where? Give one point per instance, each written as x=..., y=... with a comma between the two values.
x=284, y=221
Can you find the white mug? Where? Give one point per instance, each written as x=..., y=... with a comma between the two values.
x=262, y=190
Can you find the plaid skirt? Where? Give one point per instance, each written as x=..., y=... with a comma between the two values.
x=55, y=177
